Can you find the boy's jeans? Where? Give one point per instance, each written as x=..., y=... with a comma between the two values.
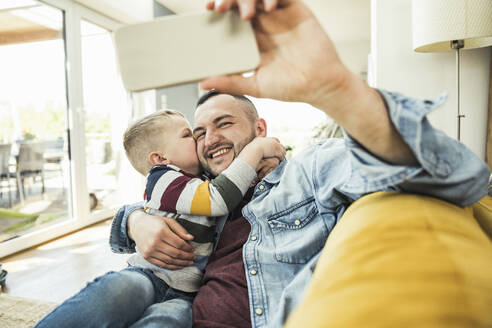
x=133, y=297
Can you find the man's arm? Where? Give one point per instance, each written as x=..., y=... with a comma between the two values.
x=446, y=168
x=300, y=63
x=162, y=241
x=401, y=150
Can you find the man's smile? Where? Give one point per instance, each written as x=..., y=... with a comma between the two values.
x=219, y=152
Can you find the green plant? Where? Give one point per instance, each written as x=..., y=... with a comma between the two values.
x=28, y=136
x=45, y=122
x=289, y=148
x=10, y=214
x=25, y=221
x=327, y=129
x=6, y=127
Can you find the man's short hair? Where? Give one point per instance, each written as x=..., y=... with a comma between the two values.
x=145, y=136
x=246, y=104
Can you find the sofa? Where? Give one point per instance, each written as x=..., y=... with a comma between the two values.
x=403, y=260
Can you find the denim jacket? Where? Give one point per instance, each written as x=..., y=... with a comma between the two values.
x=295, y=207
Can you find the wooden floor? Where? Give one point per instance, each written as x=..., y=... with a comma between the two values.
x=56, y=270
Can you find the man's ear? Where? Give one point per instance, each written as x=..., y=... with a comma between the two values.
x=260, y=128
x=157, y=158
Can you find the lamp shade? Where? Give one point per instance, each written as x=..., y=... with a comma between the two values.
x=438, y=22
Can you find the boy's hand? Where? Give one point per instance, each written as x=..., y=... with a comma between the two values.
x=269, y=147
x=266, y=166
x=260, y=148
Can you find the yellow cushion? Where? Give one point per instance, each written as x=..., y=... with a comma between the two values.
x=400, y=260
x=482, y=211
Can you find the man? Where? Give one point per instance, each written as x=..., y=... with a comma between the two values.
x=261, y=267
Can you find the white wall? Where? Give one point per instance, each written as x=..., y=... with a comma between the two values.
x=124, y=11
x=397, y=67
x=348, y=25
x=354, y=55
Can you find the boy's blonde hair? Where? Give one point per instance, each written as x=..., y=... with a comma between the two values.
x=145, y=136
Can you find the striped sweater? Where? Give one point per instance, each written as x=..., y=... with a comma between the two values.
x=194, y=203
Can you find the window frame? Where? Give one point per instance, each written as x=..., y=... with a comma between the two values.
x=79, y=215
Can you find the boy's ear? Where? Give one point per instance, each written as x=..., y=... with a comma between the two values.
x=260, y=128
x=157, y=158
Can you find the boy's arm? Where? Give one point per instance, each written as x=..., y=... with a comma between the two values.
x=175, y=191
x=239, y=175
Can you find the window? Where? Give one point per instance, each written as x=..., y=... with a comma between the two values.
x=63, y=109
x=280, y=117
x=35, y=179
x=106, y=115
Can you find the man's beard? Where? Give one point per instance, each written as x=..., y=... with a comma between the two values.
x=235, y=148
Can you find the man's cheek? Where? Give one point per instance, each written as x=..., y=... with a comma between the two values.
x=199, y=153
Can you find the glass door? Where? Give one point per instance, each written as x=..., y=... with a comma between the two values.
x=63, y=111
x=35, y=179
x=106, y=116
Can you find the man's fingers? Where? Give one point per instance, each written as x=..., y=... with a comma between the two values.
x=247, y=9
x=169, y=255
x=270, y=5
x=175, y=253
x=170, y=237
x=176, y=242
x=178, y=229
x=175, y=257
x=223, y=5
x=235, y=84
x=164, y=265
x=210, y=5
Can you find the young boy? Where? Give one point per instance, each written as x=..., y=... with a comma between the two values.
x=161, y=146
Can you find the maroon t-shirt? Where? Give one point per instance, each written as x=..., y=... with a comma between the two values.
x=223, y=301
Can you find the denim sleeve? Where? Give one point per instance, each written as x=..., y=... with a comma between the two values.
x=447, y=169
x=118, y=239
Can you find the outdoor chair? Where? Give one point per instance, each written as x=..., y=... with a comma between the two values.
x=30, y=163
x=53, y=155
x=5, y=174
x=53, y=150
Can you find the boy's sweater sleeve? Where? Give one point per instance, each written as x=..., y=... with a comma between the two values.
x=172, y=190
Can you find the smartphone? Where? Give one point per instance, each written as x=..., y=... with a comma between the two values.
x=184, y=48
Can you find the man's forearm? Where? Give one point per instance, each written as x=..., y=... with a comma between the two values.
x=119, y=239
x=130, y=222
x=362, y=112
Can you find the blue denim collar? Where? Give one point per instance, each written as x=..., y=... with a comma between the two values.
x=274, y=176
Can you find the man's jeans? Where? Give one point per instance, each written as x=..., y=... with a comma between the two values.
x=133, y=297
